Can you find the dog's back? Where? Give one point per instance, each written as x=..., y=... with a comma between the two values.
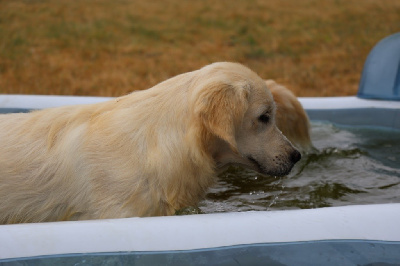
x=102, y=160
x=31, y=156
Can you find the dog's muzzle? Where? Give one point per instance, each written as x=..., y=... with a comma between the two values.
x=281, y=169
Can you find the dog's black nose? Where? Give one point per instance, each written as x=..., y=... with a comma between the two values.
x=295, y=156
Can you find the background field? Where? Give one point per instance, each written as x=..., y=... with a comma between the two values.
x=112, y=47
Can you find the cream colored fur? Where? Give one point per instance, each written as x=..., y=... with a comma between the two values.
x=291, y=118
x=148, y=153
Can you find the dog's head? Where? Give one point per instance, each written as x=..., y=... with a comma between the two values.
x=237, y=113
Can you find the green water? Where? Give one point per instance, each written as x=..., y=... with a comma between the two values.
x=349, y=166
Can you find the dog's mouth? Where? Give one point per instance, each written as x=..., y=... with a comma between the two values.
x=258, y=166
x=281, y=170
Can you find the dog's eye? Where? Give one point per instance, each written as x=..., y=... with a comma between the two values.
x=264, y=118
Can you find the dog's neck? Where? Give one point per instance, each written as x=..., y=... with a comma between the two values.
x=223, y=155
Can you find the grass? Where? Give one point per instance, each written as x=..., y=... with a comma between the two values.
x=110, y=48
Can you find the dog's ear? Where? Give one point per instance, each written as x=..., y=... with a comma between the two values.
x=221, y=108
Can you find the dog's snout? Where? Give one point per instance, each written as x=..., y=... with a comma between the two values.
x=295, y=156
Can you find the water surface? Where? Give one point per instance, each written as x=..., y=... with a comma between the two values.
x=349, y=166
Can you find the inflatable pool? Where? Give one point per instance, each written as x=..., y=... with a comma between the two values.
x=346, y=235
x=352, y=235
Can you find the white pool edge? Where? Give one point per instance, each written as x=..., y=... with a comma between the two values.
x=364, y=222
x=48, y=101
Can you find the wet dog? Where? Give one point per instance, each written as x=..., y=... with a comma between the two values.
x=148, y=153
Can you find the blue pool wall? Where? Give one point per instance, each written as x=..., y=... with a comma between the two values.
x=323, y=252
x=362, y=117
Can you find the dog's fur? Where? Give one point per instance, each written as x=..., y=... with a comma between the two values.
x=291, y=118
x=148, y=153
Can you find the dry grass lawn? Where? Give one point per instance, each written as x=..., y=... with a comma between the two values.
x=112, y=47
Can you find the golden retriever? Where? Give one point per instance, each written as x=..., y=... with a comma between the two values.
x=291, y=118
x=148, y=153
